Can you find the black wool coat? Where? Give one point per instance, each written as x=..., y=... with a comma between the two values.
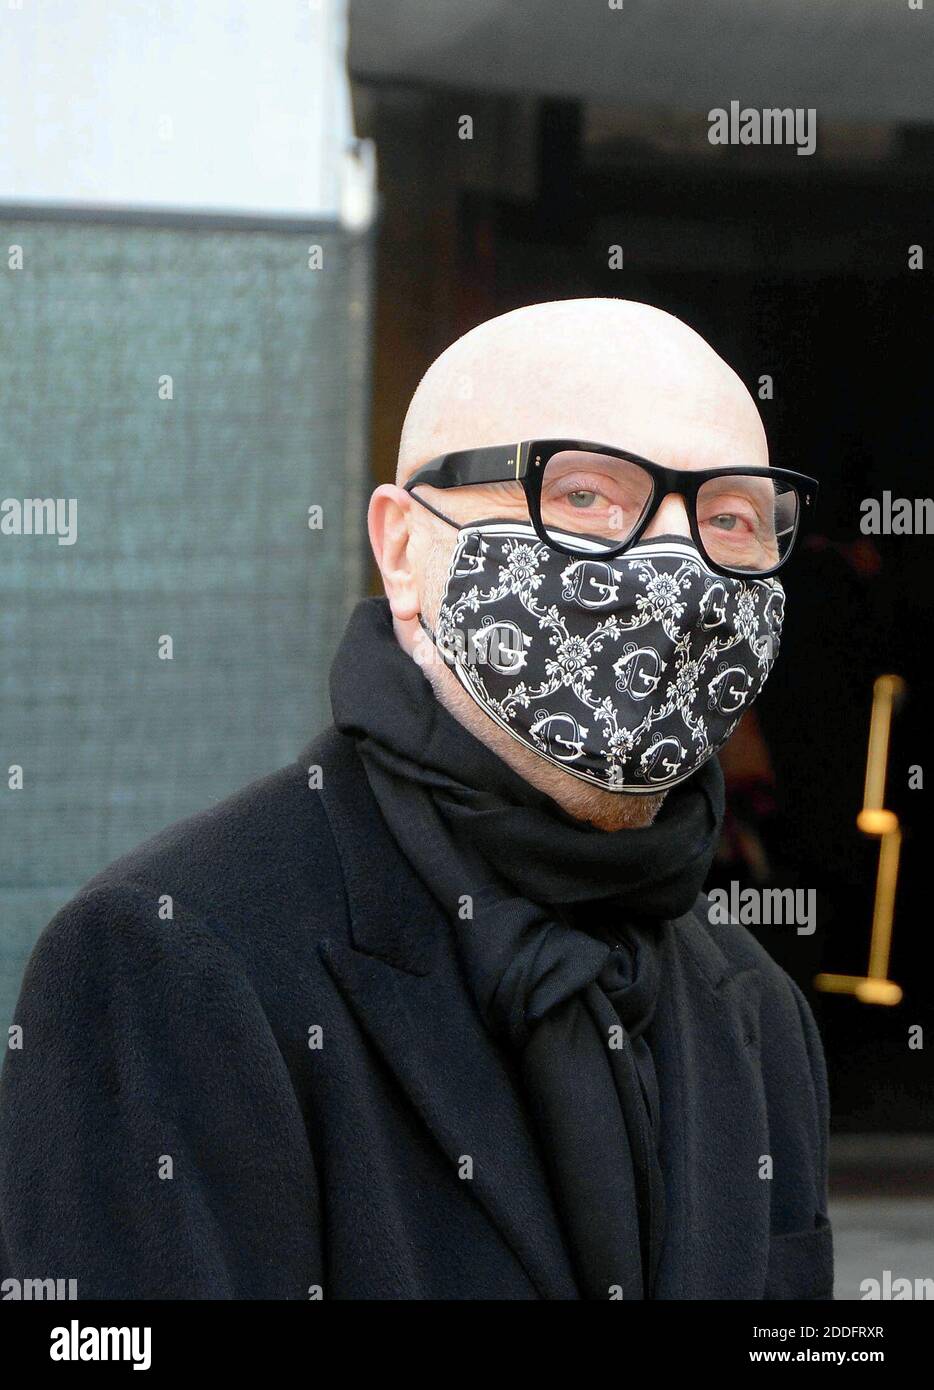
x=272, y=1092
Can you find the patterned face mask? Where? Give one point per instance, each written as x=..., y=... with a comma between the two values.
x=628, y=673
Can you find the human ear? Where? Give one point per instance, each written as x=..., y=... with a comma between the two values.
x=390, y=522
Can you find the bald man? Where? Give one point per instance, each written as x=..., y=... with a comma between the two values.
x=440, y=1011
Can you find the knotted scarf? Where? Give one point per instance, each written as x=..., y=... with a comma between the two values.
x=556, y=925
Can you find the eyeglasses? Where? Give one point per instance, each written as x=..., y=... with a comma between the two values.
x=584, y=496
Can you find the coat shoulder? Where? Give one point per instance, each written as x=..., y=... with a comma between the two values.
x=259, y=866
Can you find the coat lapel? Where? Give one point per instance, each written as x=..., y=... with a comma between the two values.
x=401, y=978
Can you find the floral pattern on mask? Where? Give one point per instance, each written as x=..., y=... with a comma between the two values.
x=628, y=673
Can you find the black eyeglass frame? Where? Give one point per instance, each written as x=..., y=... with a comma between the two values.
x=525, y=462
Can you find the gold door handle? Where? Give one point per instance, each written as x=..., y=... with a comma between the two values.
x=875, y=987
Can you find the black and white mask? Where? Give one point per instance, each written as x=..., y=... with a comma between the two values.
x=628, y=673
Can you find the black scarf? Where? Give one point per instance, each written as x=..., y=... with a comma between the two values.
x=557, y=927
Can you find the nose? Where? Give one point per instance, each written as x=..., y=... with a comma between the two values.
x=671, y=519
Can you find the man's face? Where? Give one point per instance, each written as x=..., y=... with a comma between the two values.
x=624, y=374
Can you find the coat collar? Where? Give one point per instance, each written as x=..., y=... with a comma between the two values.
x=393, y=917
x=400, y=976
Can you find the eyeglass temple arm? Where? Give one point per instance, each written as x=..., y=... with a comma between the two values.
x=497, y=464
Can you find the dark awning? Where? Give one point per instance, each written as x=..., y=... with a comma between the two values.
x=852, y=60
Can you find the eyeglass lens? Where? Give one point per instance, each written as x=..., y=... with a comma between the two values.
x=744, y=522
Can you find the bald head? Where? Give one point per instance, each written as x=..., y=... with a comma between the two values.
x=609, y=370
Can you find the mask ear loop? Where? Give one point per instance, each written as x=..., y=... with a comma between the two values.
x=434, y=510
x=441, y=517
x=457, y=527
x=466, y=525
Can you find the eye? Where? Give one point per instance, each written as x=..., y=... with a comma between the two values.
x=743, y=519
x=581, y=499
x=582, y=491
